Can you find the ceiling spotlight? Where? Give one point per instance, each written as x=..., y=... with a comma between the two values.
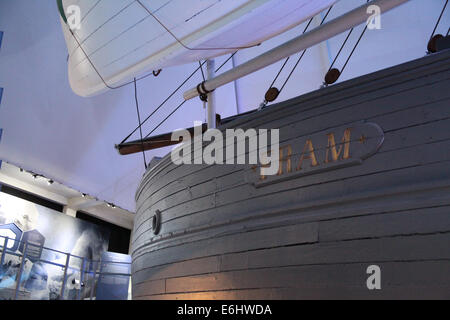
x=84, y=195
x=50, y=182
x=21, y=170
x=35, y=176
x=113, y=206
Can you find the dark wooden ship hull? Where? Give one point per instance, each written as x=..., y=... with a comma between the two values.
x=312, y=232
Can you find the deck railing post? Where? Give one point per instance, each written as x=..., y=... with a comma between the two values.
x=95, y=274
x=210, y=68
x=66, y=268
x=19, y=273
x=5, y=247
x=79, y=295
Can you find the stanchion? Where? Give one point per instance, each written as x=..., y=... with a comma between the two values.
x=5, y=247
x=81, y=291
x=19, y=274
x=66, y=268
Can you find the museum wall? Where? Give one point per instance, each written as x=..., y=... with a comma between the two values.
x=51, y=235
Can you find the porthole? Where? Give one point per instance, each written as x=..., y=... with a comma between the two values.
x=156, y=222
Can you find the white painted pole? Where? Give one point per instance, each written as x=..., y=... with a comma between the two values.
x=326, y=31
x=236, y=88
x=210, y=68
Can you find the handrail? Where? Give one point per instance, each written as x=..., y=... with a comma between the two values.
x=54, y=250
x=95, y=274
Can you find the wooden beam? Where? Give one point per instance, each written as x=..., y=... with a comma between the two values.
x=159, y=141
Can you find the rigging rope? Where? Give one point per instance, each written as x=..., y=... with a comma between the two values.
x=125, y=84
x=98, y=73
x=155, y=73
x=204, y=98
x=166, y=118
x=139, y=120
x=340, y=50
x=226, y=61
x=273, y=93
x=182, y=103
x=288, y=58
x=180, y=42
x=439, y=19
x=354, y=48
x=164, y=102
x=200, y=67
x=333, y=74
x=141, y=78
x=432, y=43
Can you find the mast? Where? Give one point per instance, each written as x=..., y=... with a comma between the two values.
x=300, y=43
x=211, y=107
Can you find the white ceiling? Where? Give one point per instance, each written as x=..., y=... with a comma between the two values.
x=72, y=200
x=22, y=178
x=53, y=132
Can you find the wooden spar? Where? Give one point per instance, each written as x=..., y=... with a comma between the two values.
x=151, y=143
x=159, y=141
x=305, y=41
x=211, y=107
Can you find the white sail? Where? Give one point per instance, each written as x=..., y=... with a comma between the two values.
x=124, y=39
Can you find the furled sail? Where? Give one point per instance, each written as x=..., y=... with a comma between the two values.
x=111, y=42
